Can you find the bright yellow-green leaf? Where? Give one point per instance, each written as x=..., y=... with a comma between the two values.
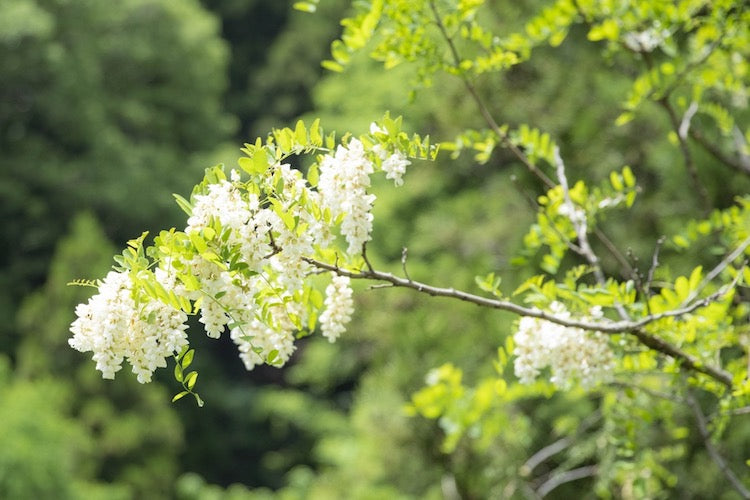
x=179, y=395
x=300, y=133
x=304, y=6
x=191, y=379
x=628, y=176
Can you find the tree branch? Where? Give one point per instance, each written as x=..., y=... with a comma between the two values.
x=485, y=112
x=634, y=327
x=700, y=420
x=623, y=326
x=566, y=477
x=678, y=127
x=578, y=219
x=717, y=153
x=719, y=268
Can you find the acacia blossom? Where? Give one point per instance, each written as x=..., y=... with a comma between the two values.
x=394, y=167
x=570, y=353
x=113, y=328
x=344, y=179
x=232, y=225
x=256, y=340
x=339, y=307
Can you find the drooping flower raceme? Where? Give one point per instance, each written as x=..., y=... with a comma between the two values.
x=113, y=328
x=572, y=354
x=394, y=167
x=344, y=179
x=243, y=263
x=258, y=341
x=339, y=307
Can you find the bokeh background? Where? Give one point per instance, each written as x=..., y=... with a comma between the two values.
x=106, y=108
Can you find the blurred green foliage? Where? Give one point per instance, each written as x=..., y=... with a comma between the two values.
x=112, y=106
x=102, y=107
x=129, y=435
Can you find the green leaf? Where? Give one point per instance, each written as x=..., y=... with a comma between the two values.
x=682, y=288
x=628, y=176
x=607, y=30
x=246, y=164
x=304, y=6
x=681, y=241
x=695, y=277
x=624, y=118
x=260, y=162
x=315, y=137
x=178, y=373
x=198, y=400
x=179, y=395
x=190, y=380
x=187, y=359
x=184, y=204
x=198, y=242
x=272, y=356
x=312, y=175
x=300, y=133
x=616, y=181
x=332, y=66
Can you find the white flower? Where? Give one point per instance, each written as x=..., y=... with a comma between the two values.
x=223, y=201
x=343, y=183
x=395, y=166
x=572, y=354
x=113, y=328
x=339, y=307
x=646, y=40
x=256, y=339
x=575, y=214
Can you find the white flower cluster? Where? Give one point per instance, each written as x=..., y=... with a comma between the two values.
x=233, y=299
x=646, y=40
x=572, y=354
x=394, y=167
x=339, y=307
x=113, y=328
x=249, y=223
x=257, y=340
x=344, y=179
x=243, y=266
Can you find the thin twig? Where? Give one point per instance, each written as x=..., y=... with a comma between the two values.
x=700, y=420
x=718, y=269
x=740, y=142
x=650, y=392
x=542, y=455
x=578, y=219
x=717, y=153
x=687, y=155
x=566, y=477
x=654, y=262
x=740, y=411
x=404, y=254
x=553, y=449
x=485, y=112
x=686, y=119
x=364, y=256
x=614, y=251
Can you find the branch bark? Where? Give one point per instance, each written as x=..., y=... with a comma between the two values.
x=700, y=420
x=634, y=327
